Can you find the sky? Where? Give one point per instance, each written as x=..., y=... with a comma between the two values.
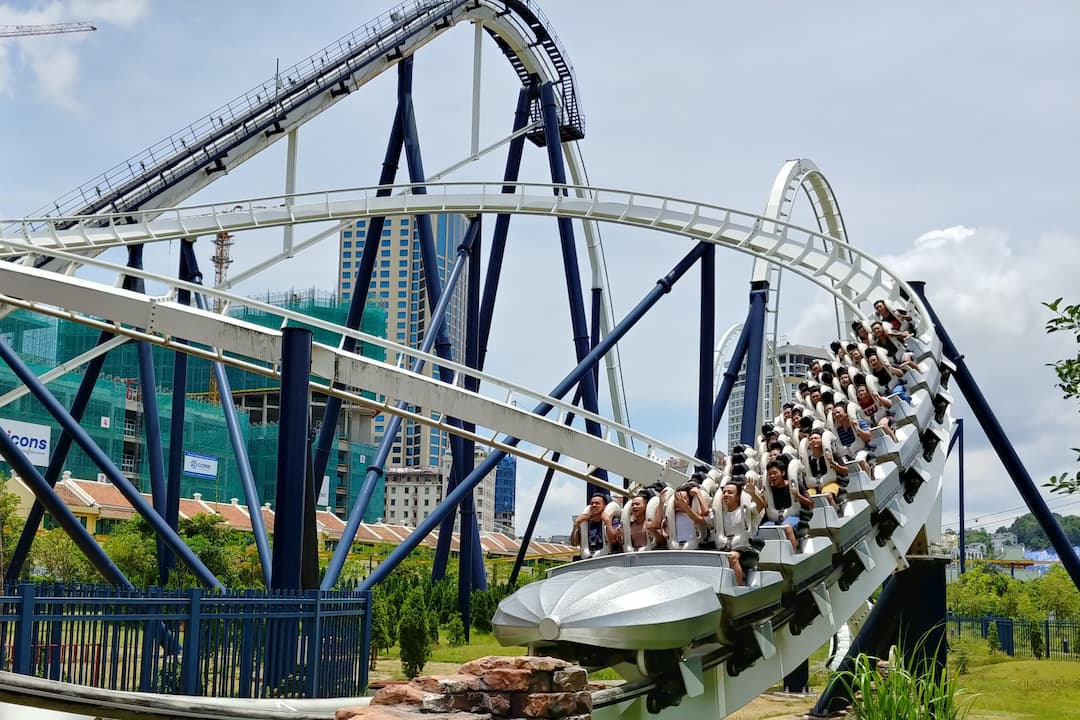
x=948, y=133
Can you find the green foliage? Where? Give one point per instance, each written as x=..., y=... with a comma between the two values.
x=413, y=635
x=132, y=547
x=455, y=632
x=10, y=523
x=982, y=591
x=55, y=556
x=383, y=630
x=910, y=690
x=1030, y=534
x=1066, y=319
x=993, y=642
x=961, y=650
x=484, y=604
x=1035, y=637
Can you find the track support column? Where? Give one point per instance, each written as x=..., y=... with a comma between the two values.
x=999, y=440
x=759, y=291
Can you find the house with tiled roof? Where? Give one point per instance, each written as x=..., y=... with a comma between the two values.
x=100, y=505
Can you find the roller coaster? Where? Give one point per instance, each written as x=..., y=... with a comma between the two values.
x=690, y=640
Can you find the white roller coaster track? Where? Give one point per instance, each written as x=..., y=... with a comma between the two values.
x=800, y=250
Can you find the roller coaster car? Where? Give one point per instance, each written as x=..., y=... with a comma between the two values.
x=844, y=528
x=798, y=570
x=902, y=451
x=916, y=412
x=635, y=601
x=877, y=488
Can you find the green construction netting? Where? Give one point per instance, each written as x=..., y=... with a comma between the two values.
x=115, y=422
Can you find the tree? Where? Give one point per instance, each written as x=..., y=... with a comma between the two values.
x=455, y=631
x=55, y=556
x=992, y=639
x=1066, y=319
x=9, y=523
x=133, y=548
x=413, y=634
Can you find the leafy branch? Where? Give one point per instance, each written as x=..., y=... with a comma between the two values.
x=1066, y=319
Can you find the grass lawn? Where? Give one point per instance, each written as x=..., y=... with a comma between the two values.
x=1024, y=689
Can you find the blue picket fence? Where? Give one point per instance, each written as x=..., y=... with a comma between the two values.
x=1060, y=638
x=189, y=642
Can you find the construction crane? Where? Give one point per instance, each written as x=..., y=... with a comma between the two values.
x=9, y=31
x=222, y=259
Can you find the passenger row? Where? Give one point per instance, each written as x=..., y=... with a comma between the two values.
x=802, y=459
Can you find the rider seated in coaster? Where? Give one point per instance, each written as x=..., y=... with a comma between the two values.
x=838, y=351
x=861, y=330
x=635, y=533
x=898, y=320
x=600, y=534
x=780, y=500
x=887, y=376
x=687, y=515
x=821, y=471
x=735, y=520
x=892, y=343
x=655, y=522
x=851, y=436
x=874, y=408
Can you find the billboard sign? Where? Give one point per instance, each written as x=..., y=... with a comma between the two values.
x=33, y=440
x=200, y=466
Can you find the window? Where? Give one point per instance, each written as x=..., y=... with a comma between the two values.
x=346, y=254
x=385, y=253
x=347, y=243
x=347, y=284
x=361, y=223
x=347, y=264
x=384, y=283
x=393, y=502
x=384, y=273
x=403, y=253
x=404, y=231
x=386, y=233
x=384, y=263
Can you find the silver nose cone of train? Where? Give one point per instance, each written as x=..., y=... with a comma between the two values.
x=601, y=604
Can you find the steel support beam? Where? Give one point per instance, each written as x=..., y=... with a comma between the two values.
x=374, y=471
x=705, y=356
x=151, y=418
x=583, y=368
x=999, y=440
x=361, y=283
x=56, y=463
x=60, y=512
x=292, y=458
x=578, y=323
x=99, y=458
x=236, y=437
x=958, y=440
x=755, y=320
x=909, y=612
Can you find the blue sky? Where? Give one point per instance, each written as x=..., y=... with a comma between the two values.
x=948, y=134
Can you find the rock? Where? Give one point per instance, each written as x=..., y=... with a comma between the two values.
x=401, y=695
x=551, y=705
x=482, y=665
x=569, y=680
x=452, y=684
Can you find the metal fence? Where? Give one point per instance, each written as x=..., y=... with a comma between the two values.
x=189, y=642
x=1060, y=639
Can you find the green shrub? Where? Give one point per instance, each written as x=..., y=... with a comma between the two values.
x=992, y=640
x=455, y=631
x=413, y=635
x=1035, y=636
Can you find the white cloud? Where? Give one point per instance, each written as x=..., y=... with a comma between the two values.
x=54, y=59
